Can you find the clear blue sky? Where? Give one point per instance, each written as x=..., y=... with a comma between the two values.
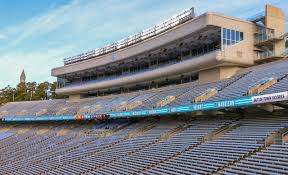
x=36, y=35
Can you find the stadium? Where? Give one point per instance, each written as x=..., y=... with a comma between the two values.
x=195, y=94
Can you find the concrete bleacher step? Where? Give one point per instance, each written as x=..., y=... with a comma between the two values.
x=42, y=131
x=267, y=142
x=221, y=132
x=107, y=133
x=233, y=163
x=115, y=143
x=23, y=130
x=177, y=154
x=242, y=75
x=274, y=137
x=141, y=131
x=174, y=131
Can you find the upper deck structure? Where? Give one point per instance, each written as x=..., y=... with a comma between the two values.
x=185, y=48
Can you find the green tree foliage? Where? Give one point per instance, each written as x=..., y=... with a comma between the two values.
x=29, y=91
x=53, y=88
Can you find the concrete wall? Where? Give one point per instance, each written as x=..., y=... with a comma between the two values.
x=276, y=19
x=218, y=73
x=211, y=75
x=242, y=52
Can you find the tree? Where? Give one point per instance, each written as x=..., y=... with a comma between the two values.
x=7, y=95
x=29, y=91
x=53, y=88
x=41, y=91
x=21, y=92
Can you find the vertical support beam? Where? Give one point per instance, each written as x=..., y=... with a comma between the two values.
x=222, y=47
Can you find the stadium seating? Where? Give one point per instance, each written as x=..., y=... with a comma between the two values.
x=272, y=160
x=240, y=88
x=234, y=87
x=165, y=145
x=146, y=104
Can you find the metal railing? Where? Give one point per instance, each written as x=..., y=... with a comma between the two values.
x=266, y=35
x=73, y=84
x=145, y=34
x=285, y=53
x=266, y=54
x=257, y=16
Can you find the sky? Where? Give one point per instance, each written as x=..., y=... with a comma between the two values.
x=37, y=35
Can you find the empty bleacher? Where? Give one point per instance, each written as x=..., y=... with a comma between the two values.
x=185, y=94
x=165, y=145
x=240, y=88
x=273, y=160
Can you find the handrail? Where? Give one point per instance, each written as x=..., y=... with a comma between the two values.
x=285, y=53
x=257, y=16
x=266, y=54
x=138, y=72
x=266, y=35
x=143, y=35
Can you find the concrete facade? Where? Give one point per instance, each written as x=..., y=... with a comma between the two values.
x=211, y=67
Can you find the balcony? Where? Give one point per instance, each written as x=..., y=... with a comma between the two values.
x=268, y=56
x=191, y=64
x=285, y=53
x=268, y=36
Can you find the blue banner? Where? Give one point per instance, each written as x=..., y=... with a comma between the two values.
x=245, y=101
x=182, y=109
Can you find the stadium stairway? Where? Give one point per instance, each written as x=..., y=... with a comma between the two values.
x=155, y=153
x=271, y=141
x=213, y=135
x=213, y=156
x=162, y=145
x=113, y=141
x=272, y=160
x=130, y=146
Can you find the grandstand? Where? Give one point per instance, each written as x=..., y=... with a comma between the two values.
x=200, y=94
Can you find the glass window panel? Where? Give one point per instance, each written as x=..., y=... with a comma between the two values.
x=224, y=33
x=228, y=34
x=237, y=36
x=228, y=42
x=233, y=35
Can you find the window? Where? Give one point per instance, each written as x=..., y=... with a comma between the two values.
x=231, y=37
x=228, y=34
x=237, y=36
